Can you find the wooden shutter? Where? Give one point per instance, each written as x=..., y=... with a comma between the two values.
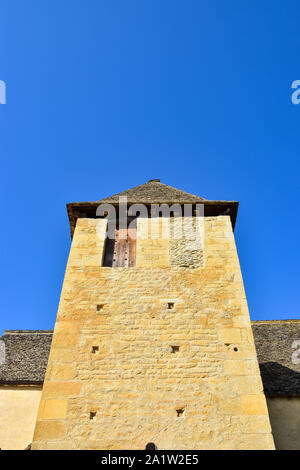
x=121, y=251
x=131, y=246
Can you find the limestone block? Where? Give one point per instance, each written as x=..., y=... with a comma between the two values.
x=254, y=404
x=49, y=430
x=54, y=409
x=230, y=335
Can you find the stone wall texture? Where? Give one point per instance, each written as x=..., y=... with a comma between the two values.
x=157, y=352
x=186, y=242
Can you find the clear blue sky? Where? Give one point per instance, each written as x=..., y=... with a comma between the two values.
x=104, y=95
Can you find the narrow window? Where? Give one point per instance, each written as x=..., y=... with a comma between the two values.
x=120, y=251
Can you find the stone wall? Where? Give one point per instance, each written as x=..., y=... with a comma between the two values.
x=153, y=353
x=152, y=237
x=186, y=242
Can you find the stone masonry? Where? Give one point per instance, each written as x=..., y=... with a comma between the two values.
x=153, y=353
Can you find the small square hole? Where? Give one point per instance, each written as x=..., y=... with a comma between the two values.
x=95, y=349
x=93, y=415
x=174, y=349
x=170, y=305
x=180, y=412
x=99, y=307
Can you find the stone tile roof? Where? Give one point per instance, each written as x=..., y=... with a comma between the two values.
x=152, y=192
x=24, y=356
x=277, y=355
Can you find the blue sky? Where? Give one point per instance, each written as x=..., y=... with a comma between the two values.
x=104, y=95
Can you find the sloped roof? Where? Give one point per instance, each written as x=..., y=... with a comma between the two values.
x=276, y=351
x=154, y=192
x=24, y=356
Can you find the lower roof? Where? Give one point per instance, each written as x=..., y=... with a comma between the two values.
x=278, y=351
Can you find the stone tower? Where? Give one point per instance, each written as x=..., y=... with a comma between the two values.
x=153, y=341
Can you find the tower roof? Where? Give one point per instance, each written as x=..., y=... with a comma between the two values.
x=152, y=192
